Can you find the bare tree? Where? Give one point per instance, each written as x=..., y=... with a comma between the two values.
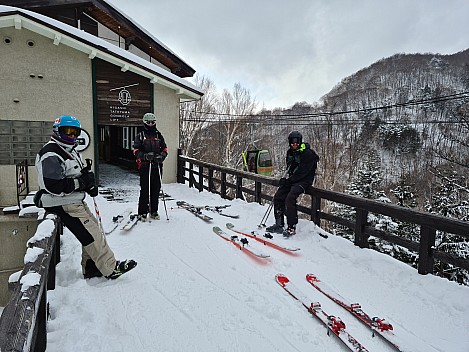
x=195, y=116
x=236, y=108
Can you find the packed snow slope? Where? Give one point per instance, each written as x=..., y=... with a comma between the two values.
x=193, y=291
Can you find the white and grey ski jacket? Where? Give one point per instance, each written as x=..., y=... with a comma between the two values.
x=58, y=166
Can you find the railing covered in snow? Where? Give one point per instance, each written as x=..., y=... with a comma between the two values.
x=23, y=321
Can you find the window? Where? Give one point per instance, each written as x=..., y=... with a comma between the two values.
x=125, y=138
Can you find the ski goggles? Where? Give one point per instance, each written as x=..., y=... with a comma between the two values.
x=295, y=141
x=69, y=130
x=150, y=123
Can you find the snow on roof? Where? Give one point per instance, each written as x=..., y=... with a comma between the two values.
x=80, y=40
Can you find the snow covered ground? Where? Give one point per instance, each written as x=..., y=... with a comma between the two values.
x=193, y=291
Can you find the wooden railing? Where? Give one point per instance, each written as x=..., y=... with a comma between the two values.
x=213, y=178
x=23, y=321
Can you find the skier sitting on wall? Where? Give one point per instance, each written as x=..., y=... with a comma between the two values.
x=63, y=180
x=150, y=150
x=301, y=165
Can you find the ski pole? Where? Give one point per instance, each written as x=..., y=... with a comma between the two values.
x=149, y=188
x=98, y=215
x=89, y=162
x=160, y=169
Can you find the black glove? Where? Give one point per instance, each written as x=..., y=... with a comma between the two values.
x=163, y=155
x=86, y=181
x=283, y=182
x=92, y=191
x=149, y=156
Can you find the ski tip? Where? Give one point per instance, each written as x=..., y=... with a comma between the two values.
x=312, y=278
x=229, y=225
x=282, y=279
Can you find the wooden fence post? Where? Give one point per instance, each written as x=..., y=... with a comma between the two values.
x=315, y=209
x=223, y=185
x=239, y=185
x=180, y=167
x=201, y=178
x=361, y=239
x=191, y=175
x=258, y=192
x=211, y=186
x=40, y=343
x=427, y=242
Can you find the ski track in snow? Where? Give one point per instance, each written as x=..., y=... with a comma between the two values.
x=193, y=291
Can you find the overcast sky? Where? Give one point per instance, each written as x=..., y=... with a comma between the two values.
x=290, y=51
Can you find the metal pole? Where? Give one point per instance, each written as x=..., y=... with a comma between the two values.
x=161, y=188
x=149, y=189
x=269, y=209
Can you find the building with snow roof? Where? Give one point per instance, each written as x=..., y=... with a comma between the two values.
x=89, y=60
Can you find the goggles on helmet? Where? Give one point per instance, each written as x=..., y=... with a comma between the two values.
x=69, y=130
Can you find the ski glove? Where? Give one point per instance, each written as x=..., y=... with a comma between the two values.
x=160, y=158
x=86, y=181
x=149, y=156
x=284, y=182
x=92, y=191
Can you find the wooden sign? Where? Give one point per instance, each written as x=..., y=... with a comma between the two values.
x=122, y=97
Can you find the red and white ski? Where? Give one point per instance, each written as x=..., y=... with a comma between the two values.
x=253, y=235
x=378, y=325
x=333, y=324
x=241, y=243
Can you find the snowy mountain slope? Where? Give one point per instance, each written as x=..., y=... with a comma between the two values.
x=193, y=291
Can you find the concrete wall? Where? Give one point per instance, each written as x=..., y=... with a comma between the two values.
x=14, y=233
x=64, y=89
x=167, y=121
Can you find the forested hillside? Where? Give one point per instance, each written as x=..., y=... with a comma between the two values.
x=397, y=131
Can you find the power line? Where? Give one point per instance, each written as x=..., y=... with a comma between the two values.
x=282, y=119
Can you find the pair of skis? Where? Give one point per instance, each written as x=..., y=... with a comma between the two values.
x=241, y=241
x=117, y=220
x=335, y=324
x=197, y=210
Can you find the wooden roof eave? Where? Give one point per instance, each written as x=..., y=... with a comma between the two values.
x=18, y=20
x=112, y=18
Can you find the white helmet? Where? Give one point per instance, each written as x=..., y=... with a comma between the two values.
x=149, y=118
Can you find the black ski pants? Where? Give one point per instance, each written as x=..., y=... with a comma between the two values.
x=285, y=202
x=150, y=186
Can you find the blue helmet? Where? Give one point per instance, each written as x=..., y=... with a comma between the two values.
x=67, y=128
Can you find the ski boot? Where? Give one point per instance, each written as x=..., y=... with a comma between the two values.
x=277, y=227
x=142, y=217
x=290, y=231
x=91, y=270
x=155, y=216
x=121, y=268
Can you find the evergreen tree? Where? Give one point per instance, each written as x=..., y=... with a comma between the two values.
x=450, y=199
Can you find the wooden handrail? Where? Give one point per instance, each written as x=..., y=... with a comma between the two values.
x=429, y=223
x=23, y=321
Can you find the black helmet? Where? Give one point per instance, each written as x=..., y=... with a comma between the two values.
x=295, y=137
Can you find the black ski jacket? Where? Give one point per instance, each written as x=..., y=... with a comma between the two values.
x=301, y=164
x=148, y=141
